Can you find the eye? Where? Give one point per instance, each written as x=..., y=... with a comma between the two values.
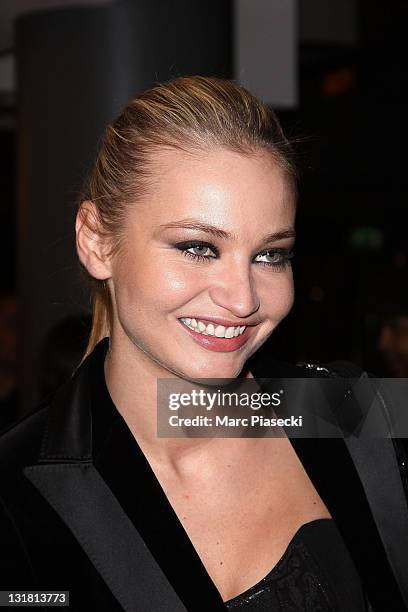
x=276, y=258
x=200, y=251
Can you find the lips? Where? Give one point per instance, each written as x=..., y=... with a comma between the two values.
x=208, y=328
x=217, y=343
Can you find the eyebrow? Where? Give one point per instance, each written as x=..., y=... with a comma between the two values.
x=193, y=224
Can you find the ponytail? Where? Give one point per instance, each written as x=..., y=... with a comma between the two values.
x=101, y=317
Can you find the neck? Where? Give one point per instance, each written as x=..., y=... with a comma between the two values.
x=131, y=377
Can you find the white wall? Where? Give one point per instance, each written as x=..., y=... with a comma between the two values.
x=266, y=49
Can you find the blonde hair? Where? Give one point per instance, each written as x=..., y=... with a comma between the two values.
x=188, y=114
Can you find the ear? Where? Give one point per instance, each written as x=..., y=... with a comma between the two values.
x=91, y=245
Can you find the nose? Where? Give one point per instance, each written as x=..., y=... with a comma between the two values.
x=234, y=290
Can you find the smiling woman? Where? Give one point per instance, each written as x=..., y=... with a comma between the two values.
x=200, y=157
x=185, y=231
x=166, y=270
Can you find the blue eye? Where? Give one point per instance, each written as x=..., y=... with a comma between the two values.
x=278, y=259
x=200, y=251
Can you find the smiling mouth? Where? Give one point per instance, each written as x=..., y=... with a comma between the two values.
x=209, y=329
x=213, y=336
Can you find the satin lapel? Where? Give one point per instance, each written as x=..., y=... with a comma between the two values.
x=86, y=505
x=66, y=477
x=327, y=462
x=331, y=468
x=324, y=460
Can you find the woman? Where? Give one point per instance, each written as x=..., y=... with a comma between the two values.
x=186, y=231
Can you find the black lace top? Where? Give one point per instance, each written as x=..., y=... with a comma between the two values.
x=315, y=574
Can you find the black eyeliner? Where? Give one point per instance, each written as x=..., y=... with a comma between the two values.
x=188, y=244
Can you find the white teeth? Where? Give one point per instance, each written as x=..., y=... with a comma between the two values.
x=229, y=332
x=220, y=331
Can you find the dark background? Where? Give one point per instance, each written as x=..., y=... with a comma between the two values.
x=77, y=66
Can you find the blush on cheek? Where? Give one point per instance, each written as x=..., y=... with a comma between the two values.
x=173, y=281
x=176, y=287
x=278, y=300
x=288, y=301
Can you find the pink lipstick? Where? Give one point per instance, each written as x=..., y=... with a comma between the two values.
x=213, y=343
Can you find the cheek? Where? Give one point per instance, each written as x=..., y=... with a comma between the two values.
x=159, y=285
x=278, y=297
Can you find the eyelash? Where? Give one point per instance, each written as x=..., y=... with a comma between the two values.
x=279, y=266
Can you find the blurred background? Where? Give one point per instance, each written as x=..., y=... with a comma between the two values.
x=335, y=72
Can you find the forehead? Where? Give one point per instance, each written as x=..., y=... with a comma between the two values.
x=220, y=187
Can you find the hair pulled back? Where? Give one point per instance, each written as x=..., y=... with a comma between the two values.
x=188, y=114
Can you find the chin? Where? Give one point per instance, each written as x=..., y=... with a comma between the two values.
x=212, y=371
x=215, y=380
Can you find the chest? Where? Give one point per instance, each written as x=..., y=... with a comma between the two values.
x=241, y=513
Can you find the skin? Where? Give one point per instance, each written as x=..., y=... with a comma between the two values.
x=226, y=492
x=240, y=195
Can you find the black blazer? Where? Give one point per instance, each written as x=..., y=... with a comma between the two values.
x=70, y=474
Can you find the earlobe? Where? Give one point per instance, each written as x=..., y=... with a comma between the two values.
x=90, y=242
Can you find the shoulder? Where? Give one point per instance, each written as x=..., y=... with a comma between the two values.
x=20, y=444
x=19, y=447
